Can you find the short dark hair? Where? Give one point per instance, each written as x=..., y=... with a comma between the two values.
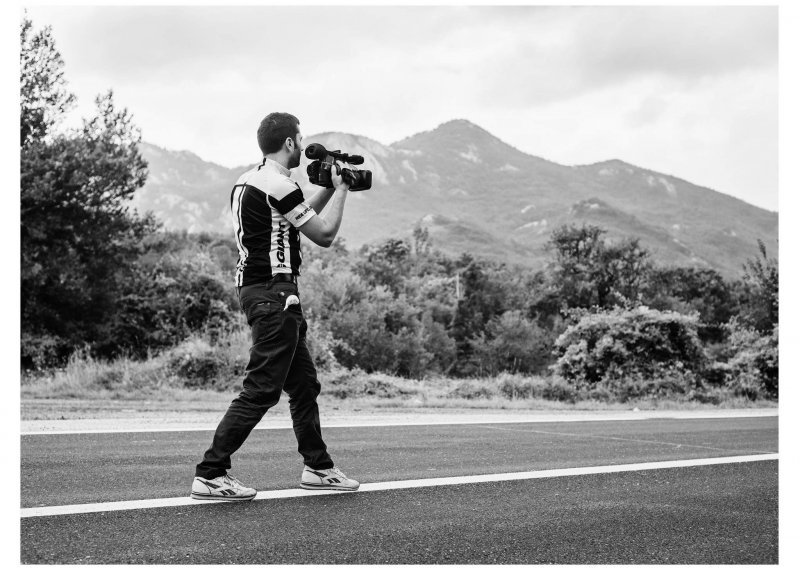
x=275, y=129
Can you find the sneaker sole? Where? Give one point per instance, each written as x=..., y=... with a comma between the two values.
x=204, y=497
x=327, y=487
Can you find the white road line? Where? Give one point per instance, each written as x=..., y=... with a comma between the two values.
x=389, y=485
x=411, y=420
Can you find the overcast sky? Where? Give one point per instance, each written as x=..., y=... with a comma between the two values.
x=688, y=91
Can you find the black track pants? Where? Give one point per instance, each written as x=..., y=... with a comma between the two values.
x=279, y=360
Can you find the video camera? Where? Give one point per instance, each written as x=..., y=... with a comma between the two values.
x=319, y=171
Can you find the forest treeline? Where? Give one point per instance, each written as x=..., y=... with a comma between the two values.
x=99, y=279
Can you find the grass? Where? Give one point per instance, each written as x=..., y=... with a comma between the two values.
x=86, y=378
x=173, y=380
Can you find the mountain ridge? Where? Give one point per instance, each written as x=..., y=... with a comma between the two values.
x=458, y=179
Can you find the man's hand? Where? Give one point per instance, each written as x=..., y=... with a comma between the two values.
x=336, y=178
x=322, y=231
x=321, y=198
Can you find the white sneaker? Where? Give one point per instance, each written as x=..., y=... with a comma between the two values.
x=225, y=488
x=332, y=478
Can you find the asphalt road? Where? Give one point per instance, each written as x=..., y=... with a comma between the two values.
x=710, y=514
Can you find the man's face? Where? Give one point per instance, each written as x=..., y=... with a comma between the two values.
x=294, y=159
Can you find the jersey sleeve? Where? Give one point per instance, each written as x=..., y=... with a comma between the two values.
x=288, y=200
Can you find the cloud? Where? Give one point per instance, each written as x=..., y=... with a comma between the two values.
x=687, y=42
x=447, y=56
x=567, y=83
x=565, y=53
x=722, y=134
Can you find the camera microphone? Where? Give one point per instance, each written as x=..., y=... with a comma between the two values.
x=319, y=152
x=316, y=152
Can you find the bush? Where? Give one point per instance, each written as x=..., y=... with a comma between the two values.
x=600, y=393
x=382, y=333
x=198, y=364
x=550, y=388
x=472, y=389
x=44, y=351
x=632, y=352
x=557, y=388
x=711, y=396
x=752, y=371
x=322, y=345
x=440, y=347
x=345, y=383
x=511, y=342
x=516, y=386
x=172, y=295
x=716, y=374
x=661, y=380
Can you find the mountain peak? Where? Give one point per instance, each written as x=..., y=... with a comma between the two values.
x=461, y=127
x=456, y=131
x=613, y=162
x=458, y=123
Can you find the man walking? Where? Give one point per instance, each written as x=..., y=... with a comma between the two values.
x=269, y=211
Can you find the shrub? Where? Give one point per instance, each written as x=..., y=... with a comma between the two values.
x=517, y=386
x=752, y=371
x=660, y=380
x=557, y=388
x=438, y=345
x=198, y=364
x=44, y=351
x=472, y=389
x=345, y=383
x=322, y=345
x=717, y=374
x=632, y=352
x=512, y=343
x=548, y=388
x=761, y=305
x=600, y=393
x=171, y=296
x=381, y=333
x=711, y=396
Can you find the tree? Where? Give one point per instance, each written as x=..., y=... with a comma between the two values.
x=576, y=252
x=78, y=235
x=624, y=269
x=689, y=289
x=175, y=288
x=512, y=343
x=587, y=271
x=761, y=301
x=481, y=301
x=385, y=264
x=43, y=95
